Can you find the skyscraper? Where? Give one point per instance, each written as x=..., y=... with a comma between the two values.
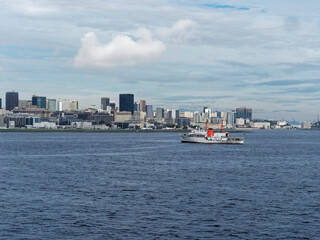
x=174, y=113
x=149, y=111
x=24, y=104
x=159, y=114
x=68, y=105
x=136, y=107
x=40, y=102
x=0, y=103
x=12, y=100
x=142, y=105
x=112, y=106
x=52, y=104
x=245, y=113
x=126, y=102
x=105, y=102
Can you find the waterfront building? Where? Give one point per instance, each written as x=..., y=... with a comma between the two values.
x=244, y=112
x=0, y=103
x=241, y=122
x=20, y=119
x=2, y=122
x=261, y=125
x=33, y=110
x=123, y=116
x=52, y=105
x=126, y=102
x=149, y=111
x=12, y=100
x=105, y=102
x=100, y=118
x=306, y=125
x=143, y=106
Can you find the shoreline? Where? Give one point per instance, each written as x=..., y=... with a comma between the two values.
x=108, y=131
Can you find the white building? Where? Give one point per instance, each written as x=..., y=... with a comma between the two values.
x=69, y=105
x=82, y=125
x=241, y=122
x=122, y=116
x=261, y=125
x=186, y=114
x=45, y=125
x=306, y=125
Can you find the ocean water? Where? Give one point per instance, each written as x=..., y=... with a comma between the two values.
x=151, y=186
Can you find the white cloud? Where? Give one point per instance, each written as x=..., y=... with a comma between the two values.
x=30, y=8
x=122, y=50
x=181, y=30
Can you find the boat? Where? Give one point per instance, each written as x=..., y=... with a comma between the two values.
x=209, y=136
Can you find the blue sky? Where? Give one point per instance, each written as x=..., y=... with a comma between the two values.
x=179, y=54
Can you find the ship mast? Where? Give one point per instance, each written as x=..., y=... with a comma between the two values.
x=207, y=127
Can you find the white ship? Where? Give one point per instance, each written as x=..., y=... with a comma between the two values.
x=209, y=136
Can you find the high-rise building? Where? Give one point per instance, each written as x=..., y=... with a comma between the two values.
x=68, y=105
x=245, y=113
x=0, y=103
x=12, y=100
x=159, y=114
x=197, y=117
x=52, y=104
x=112, y=106
x=74, y=105
x=174, y=113
x=143, y=105
x=105, y=102
x=40, y=102
x=167, y=113
x=136, y=107
x=24, y=104
x=207, y=112
x=126, y=102
x=149, y=111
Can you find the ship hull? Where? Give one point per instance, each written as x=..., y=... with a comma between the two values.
x=230, y=140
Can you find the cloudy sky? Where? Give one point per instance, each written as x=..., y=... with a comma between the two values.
x=173, y=53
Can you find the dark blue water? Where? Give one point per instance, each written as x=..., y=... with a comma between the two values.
x=151, y=186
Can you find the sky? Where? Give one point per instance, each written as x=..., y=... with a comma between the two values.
x=175, y=54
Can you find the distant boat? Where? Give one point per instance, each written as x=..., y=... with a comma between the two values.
x=209, y=136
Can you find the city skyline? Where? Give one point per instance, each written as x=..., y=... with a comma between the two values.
x=203, y=53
